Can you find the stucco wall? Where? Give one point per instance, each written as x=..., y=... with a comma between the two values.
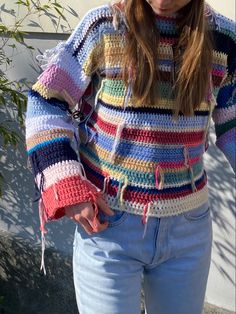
x=19, y=216
x=226, y=7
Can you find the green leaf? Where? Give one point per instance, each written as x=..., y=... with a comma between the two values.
x=9, y=137
x=2, y=100
x=19, y=36
x=57, y=5
x=46, y=6
x=12, y=46
x=60, y=13
x=21, y=2
x=30, y=47
x=3, y=27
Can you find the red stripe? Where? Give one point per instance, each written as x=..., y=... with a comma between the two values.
x=216, y=80
x=168, y=41
x=150, y=137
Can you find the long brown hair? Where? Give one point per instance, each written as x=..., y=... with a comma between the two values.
x=140, y=67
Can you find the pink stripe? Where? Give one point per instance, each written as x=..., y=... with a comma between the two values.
x=226, y=138
x=55, y=78
x=223, y=115
x=220, y=73
x=168, y=40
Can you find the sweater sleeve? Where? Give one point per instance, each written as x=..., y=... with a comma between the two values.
x=50, y=132
x=224, y=114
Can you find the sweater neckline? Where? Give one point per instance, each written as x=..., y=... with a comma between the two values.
x=167, y=24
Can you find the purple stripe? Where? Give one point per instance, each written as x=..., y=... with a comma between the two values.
x=226, y=137
x=58, y=79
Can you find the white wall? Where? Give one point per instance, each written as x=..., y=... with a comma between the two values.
x=226, y=7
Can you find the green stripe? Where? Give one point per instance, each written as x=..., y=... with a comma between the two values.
x=116, y=88
x=142, y=177
x=223, y=128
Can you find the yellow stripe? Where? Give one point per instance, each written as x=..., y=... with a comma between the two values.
x=47, y=136
x=219, y=58
x=49, y=93
x=161, y=104
x=46, y=92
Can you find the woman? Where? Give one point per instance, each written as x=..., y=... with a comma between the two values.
x=159, y=70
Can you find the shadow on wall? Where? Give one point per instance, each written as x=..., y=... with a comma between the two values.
x=18, y=212
x=222, y=198
x=24, y=290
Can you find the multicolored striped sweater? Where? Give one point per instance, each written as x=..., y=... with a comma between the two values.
x=137, y=157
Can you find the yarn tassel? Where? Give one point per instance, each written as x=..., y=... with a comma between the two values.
x=90, y=114
x=95, y=206
x=43, y=220
x=83, y=174
x=50, y=55
x=212, y=103
x=189, y=167
x=105, y=184
x=118, y=14
x=145, y=217
x=55, y=192
x=126, y=181
x=128, y=91
x=117, y=140
x=119, y=189
x=159, y=177
x=115, y=21
x=194, y=188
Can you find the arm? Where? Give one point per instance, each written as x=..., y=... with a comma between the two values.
x=49, y=127
x=224, y=114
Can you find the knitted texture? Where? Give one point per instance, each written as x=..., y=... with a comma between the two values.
x=138, y=156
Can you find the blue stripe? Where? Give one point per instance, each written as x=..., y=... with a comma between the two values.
x=145, y=152
x=39, y=106
x=149, y=119
x=41, y=145
x=224, y=95
x=50, y=155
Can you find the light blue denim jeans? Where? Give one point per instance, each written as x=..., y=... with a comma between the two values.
x=172, y=259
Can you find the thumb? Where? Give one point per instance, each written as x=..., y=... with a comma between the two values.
x=104, y=207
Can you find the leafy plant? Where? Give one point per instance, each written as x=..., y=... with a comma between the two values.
x=13, y=97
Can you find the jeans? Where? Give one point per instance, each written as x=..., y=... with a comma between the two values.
x=172, y=260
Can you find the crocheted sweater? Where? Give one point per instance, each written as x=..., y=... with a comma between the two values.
x=138, y=157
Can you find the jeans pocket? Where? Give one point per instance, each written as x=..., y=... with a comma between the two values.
x=197, y=214
x=118, y=218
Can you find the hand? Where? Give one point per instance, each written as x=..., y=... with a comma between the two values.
x=84, y=213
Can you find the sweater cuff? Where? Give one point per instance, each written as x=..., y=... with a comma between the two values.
x=69, y=191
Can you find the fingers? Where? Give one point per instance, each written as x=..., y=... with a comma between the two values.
x=86, y=225
x=84, y=214
x=97, y=226
x=92, y=225
x=104, y=207
x=72, y=210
